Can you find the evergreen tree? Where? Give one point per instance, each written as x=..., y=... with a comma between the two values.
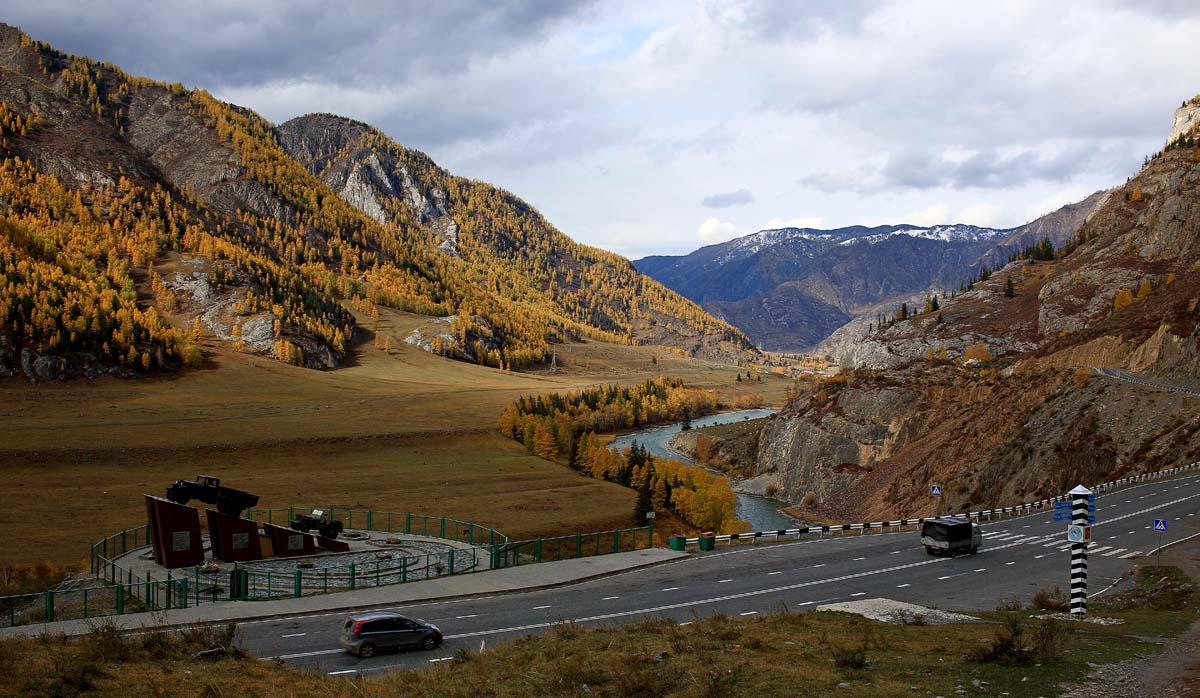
x=1009, y=291
x=644, y=503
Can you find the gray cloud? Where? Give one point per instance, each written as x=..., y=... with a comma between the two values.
x=727, y=199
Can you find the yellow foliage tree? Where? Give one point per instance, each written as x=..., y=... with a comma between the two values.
x=1123, y=299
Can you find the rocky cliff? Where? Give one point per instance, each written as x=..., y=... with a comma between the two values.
x=995, y=396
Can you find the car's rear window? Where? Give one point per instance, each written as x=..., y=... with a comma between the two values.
x=349, y=623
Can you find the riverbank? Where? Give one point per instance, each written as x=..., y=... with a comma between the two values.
x=763, y=513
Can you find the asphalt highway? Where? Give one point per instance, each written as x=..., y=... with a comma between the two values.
x=1019, y=556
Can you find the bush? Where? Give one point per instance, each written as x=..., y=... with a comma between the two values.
x=1011, y=644
x=849, y=657
x=1053, y=600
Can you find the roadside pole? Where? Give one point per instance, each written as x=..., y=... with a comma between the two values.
x=1079, y=533
x=1160, y=526
x=935, y=491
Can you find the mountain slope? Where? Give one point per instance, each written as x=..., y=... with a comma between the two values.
x=163, y=209
x=994, y=396
x=791, y=288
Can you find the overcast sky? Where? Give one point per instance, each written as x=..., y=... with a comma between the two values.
x=657, y=127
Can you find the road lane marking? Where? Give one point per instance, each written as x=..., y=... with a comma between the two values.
x=771, y=573
x=859, y=593
x=538, y=608
x=1135, y=553
x=440, y=659
x=686, y=622
x=671, y=589
x=981, y=569
x=749, y=613
x=820, y=565
x=1100, y=549
x=723, y=581
x=1115, y=551
x=472, y=615
x=294, y=635
x=1039, y=557
x=343, y=671
x=1010, y=563
x=610, y=598
x=808, y=603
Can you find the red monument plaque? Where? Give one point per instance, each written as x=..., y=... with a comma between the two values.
x=233, y=538
x=174, y=533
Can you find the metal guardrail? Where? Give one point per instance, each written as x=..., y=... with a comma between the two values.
x=898, y=524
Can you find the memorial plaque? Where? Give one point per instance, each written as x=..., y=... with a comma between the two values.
x=240, y=541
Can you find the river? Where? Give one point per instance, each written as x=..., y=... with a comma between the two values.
x=763, y=513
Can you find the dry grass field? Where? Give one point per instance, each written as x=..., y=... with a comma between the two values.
x=401, y=430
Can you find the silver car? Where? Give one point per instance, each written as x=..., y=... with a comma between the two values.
x=365, y=633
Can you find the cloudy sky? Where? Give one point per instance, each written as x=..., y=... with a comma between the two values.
x=658, y=127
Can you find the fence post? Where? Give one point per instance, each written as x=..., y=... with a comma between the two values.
x=617, y=540
x=579, y=544
x=389, y=522
x=450, y=554
x=539, y=549
x=183, y=593
x=120, y=599
x=352, y=577
x=404, y=569
x=408, y=523
x=443, y=533
x=471, y=534
x=296, y=582
x=291, y=515
x=49, y=615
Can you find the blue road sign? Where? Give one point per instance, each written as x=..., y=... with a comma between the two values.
x=1062, y=505
x=1066, y=516
x=935, y=490
x=1160, y=525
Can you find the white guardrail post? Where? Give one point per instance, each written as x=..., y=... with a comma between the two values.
x=1019, y=510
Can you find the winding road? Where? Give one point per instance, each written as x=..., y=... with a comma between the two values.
x=1020, y=556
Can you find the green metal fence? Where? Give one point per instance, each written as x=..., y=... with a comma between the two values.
x=125, y=591
x=391, y=522
x=570, y=547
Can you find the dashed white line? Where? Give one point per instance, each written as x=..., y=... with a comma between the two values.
x=1115, y=551
x=538, y=608
x=1010, y=563
x=749, y=613
x=771, y=573
x=1039, y=557
x=859, y=593
x=470, y=615
x=808, y=603
x=724, y=581
x=1135, y=553
x=895, y=552
x=610, y=598
x=686, y=622
x=859, y=558
x=901, y=586
x=820, y=565
x=294, y=635
x=346, y=671
x=440, y=659
x=981, y=569
x=671, y=589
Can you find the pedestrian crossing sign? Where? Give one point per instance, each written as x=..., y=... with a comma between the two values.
x=935, y=490
x=1160, y=525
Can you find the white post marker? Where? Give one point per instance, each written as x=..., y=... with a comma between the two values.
x=1079, y=533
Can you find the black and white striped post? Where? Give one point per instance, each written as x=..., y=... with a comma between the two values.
x=1079, y=533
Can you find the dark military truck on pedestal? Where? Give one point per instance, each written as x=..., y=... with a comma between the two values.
x=951, y=535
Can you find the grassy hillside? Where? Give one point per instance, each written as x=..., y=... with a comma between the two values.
x=106, y=175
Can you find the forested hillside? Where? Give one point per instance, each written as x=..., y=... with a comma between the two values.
x=136, y=216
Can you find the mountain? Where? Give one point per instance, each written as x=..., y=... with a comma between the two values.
x=136, y=215
x=790, y=288
x=996, y=396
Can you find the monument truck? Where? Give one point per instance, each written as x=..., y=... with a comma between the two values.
x=208, y=489
x=951, y=535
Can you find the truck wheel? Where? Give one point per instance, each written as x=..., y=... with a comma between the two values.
x=929, y=549
x=974, y=549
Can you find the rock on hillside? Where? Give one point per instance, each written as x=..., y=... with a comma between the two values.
x=994, y=396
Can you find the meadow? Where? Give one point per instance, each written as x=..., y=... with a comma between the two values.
x=397, y=429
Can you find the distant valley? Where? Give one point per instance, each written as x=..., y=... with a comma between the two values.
x=790, y=288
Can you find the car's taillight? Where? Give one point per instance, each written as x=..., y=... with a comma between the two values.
x=357, y=626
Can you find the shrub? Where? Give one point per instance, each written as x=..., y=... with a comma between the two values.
x=1053, y=600
x=849, y=657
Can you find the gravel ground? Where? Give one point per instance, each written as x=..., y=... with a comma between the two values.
x=1173, y=673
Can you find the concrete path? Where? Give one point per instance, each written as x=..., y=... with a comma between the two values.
x=524, y=578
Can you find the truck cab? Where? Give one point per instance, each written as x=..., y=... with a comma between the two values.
x=951, y=535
